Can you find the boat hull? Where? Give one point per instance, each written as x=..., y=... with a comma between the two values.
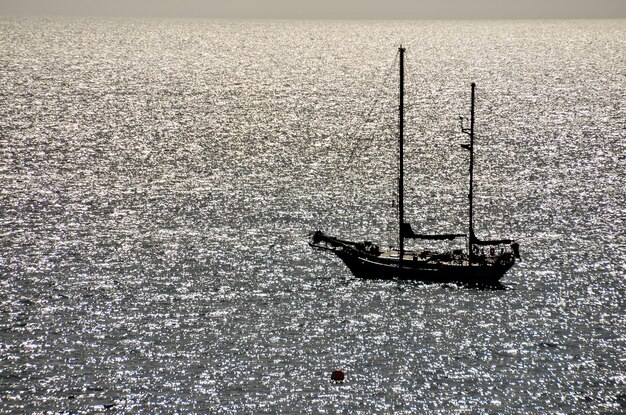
x=371, y=268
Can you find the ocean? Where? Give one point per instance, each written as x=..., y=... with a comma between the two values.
x=161, y=178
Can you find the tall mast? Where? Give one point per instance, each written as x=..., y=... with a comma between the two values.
x=401, y=178
x=471, y=183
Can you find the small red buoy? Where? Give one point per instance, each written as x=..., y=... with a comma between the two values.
x=337, y=376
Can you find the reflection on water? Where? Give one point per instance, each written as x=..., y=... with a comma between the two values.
x=159, y=180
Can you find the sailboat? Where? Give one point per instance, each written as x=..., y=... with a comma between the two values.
x=473, y=266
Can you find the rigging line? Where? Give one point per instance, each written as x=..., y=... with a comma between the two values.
x=351, y=132
x=411, y=43
x=368, y=116
x=368, y=143
x=371, y=109
x=387, y=129
x=375, y=103
x=486, y=100
x=413, y=98
x=409, y=104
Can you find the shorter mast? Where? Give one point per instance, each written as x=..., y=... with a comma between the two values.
x=471, y=183
x=470, y=147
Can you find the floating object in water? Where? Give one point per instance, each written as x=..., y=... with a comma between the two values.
x=337, y=376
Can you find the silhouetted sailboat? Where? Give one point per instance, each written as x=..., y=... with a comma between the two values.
x=473, y=266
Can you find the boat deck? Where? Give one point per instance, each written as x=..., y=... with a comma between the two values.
x=426, y=257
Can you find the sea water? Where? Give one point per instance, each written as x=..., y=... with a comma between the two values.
x=160, y=179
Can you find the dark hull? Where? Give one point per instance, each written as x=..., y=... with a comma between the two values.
x=371, y=268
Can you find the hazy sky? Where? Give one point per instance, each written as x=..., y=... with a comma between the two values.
x=352, y=9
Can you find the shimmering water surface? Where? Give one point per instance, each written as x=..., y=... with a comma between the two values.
x=160, y=178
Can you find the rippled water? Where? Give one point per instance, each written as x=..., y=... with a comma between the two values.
x=160, y=177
